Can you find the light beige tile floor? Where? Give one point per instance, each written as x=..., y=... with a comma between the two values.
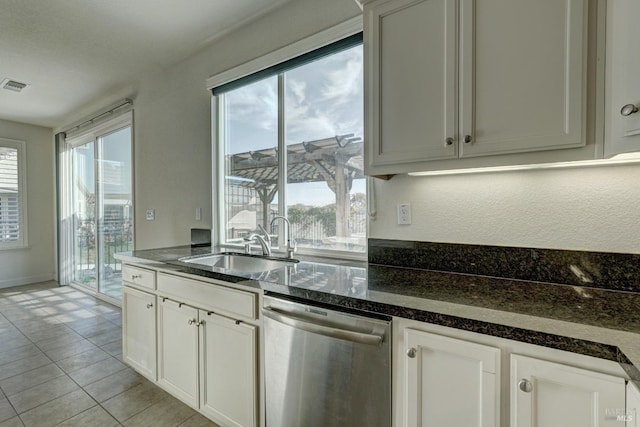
x=61, y=364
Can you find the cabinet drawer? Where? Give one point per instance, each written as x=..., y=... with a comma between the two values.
x=139, y=277
x=208, y=296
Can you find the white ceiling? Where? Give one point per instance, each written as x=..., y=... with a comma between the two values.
x=71, y=52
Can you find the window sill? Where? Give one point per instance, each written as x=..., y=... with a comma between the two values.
x=332, y=255
x=15, y=248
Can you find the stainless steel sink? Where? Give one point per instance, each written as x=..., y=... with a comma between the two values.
x=239, y=262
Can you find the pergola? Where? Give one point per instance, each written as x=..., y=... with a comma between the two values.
x=337, y=161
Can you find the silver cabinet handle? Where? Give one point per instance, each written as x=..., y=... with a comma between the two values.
x=149, y=305
x=628, y=110
x=294, y=321
x=525, y=385
x=136, y=276
x=467, y=139
x=192, y=321
x=448, y=141
x=411, y=353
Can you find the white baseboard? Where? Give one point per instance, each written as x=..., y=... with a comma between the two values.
x=19, y=281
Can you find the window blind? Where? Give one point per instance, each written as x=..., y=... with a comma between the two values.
x=321, y=52
x=9, y=196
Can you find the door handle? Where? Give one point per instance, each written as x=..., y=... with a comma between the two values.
x=316, y=328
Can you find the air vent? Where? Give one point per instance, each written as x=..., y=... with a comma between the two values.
x=13, y=85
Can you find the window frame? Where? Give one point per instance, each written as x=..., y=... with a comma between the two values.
x=23, y=240
x=68, y=141
x=309, y=44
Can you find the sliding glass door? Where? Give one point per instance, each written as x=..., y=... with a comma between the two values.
x=115, y=208
x=83, y=193
x=99, y=189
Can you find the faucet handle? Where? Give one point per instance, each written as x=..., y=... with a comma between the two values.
x=292, y=246
x=267, y=236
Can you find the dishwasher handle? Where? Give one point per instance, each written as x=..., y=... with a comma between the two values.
x=316, y=328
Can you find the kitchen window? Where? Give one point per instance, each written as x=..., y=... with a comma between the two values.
x=13, y=227
x=290, y=142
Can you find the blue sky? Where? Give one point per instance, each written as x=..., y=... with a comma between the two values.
x=322, y=99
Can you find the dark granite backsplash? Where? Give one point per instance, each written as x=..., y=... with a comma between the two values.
x=615, y=271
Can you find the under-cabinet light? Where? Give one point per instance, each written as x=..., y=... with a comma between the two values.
x=620, y=159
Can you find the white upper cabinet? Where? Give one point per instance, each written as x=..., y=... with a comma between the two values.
x=522, y=75
x=412, y=67
x=457, y=79
x=623, y=77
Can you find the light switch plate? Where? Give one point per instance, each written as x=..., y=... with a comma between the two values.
x=151, y=214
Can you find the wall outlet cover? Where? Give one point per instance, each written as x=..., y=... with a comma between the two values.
x=151, y=214
x=404, y=214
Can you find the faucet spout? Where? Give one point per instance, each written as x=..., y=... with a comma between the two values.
x=291, y=248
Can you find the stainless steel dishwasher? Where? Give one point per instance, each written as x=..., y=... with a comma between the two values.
x=324, y=367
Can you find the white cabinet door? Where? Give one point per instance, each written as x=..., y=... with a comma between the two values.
x=228, y=380
x=450, y=382
x=449, y=79
x=633, y=405
x=623, y=81
x=546, y=394
x=411, y=80
x=522, y=74
x=139, y=331
x=178, y=350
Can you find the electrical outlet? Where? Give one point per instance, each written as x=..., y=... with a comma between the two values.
x=404, y=214
x=151, y=214
x=198, y=214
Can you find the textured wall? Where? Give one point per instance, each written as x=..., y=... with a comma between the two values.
x=36, y=263
x=173, y=119
x=594, y=209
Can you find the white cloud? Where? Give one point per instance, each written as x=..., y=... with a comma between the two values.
x=322, y=99
x=325, y=98
x=256, y=104
x=345, y=83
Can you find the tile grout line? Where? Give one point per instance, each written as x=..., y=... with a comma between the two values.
x=64, y=373
x=50, y=311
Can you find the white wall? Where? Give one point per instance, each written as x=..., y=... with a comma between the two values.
x=173, y=125
x=596, y=209
x=587, y=209
x=37, y=262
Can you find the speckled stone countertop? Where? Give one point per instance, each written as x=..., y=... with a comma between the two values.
x=593, y=321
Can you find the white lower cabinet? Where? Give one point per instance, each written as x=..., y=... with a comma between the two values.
x=447, y=377
x=139, y=331
x=209, y=361
x=450, y=382
x=228, y=370
x=198, y=340
x=633, y=406
x=178, y=350
x=547, y=394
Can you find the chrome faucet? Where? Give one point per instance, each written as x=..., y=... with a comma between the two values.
x=264, y=240
x=290, y=248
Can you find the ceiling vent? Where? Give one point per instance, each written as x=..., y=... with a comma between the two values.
x=13, y=85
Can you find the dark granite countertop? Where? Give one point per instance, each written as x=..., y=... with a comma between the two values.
x=596, y=322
